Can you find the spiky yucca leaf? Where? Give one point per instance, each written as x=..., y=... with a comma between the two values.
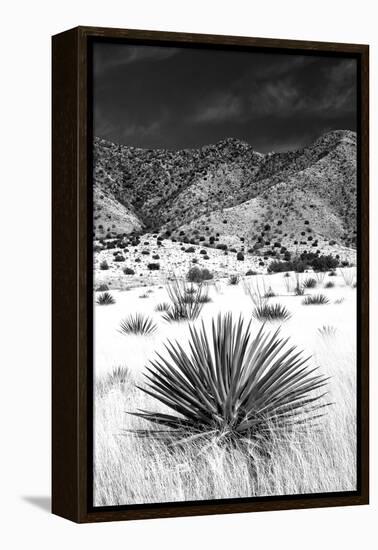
x=137, y=324
x=105, y=299
x=162, y=306
x=231, y=385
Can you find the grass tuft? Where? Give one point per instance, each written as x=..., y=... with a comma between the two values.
x=315, y=300
x=138, y=324
x=105, y=299
x=271, y=313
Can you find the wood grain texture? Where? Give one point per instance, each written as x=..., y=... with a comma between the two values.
x=72, y=278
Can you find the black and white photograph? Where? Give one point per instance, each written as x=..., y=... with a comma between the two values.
x=225, y=261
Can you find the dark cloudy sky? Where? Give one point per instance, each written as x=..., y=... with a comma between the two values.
x=165, y=97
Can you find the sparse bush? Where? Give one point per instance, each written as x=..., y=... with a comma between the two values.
x=233, y=280
x=250, y=272
x=129, y=271
x=138, y=324
x=156, y=257
x=240, y=256
x=104, y=265
x=315, y=300
x=218, y=401
x=329, y=284
x=153, y=266
x=191, y=249
x=105, y=299
x=102, y=288
x=198, y=275
x=119, y=258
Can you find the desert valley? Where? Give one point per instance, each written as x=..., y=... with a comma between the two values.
x=204, y=242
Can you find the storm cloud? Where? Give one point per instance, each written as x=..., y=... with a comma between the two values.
x=166, y=97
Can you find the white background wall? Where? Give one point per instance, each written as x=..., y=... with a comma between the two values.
x=25, y=272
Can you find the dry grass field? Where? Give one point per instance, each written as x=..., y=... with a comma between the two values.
x=317, y=457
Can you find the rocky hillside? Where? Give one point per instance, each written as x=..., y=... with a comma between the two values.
x=227, y=194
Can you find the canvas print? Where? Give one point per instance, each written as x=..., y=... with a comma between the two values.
x=224, y=274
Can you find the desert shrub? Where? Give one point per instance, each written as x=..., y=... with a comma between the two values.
x=119, y=258
x=146, y=252
x=104, y=265
x=162, y=306
x=221, y=247
x=105, y=299
x=137, y=324
x=203, y=251
x=223, y=397
x=304, y=261
x=269, y=293
x=250, y=272
x=329, y=284
x=190, y=249
x=102, y=288
x=128, y=271
x=185, y=305
x=233, y=280
x=206, y=257
x=315, y=300
x=156, y=257
x=240, y=256
x=327, y=331
x=271, y=313
x=153, y=266
x=198, y=275
x=349, y=276
x=309, y=283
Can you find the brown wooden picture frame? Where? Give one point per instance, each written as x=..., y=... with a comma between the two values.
x=72, y=280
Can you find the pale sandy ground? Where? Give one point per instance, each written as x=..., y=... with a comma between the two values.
x=113, y=348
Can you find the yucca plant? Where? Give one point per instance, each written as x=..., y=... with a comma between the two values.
x=315, y=300
x=327, y=331
x=271, y=312
x=137, y=324
x=231, y=386
x=185, y=305
x=309, y=283
x=105, y=299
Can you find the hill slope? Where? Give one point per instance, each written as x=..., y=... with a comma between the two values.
x=228, y=193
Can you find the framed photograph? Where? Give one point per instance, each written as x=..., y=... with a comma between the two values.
x=210, y=274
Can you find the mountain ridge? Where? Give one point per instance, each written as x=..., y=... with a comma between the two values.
x=184, y=193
